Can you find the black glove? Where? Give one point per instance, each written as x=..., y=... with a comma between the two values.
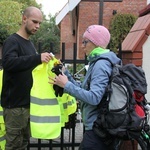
x=57, y=69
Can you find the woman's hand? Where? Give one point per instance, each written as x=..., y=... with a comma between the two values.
x=59, y=80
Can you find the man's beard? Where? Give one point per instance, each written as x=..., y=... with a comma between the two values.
x=29, y=32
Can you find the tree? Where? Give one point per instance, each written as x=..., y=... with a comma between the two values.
x=10, y=12
x=27, y=3
x=119, y=28
x=3, y=34
x=48, y=33
x=10, y=18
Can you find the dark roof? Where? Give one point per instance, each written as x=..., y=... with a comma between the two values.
x=144, y=11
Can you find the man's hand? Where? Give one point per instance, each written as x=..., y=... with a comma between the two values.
x=46, y=57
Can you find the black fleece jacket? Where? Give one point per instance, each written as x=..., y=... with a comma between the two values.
x=19, y=58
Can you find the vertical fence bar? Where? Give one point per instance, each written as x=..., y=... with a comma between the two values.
x=62, y=130
x=74, y=57
x=52, y=47
x=101, y=3
x=62, y=138
x=73, y=132
x=74, y=71
x=51, y=144
x=39, y=47
x=63, y=52
x=120, y=51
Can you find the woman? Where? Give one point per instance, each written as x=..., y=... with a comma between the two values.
x=91, y=91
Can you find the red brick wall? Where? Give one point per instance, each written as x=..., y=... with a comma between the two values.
x=66, y=36
x=88, y=13
x=132, y=57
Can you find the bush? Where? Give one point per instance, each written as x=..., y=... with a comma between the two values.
x=3, y=34
x=119, y=28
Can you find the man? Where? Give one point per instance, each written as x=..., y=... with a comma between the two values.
x=19, y=58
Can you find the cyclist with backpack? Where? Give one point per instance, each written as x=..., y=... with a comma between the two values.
x=92, y=89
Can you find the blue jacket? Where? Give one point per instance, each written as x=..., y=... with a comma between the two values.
x=92, y=89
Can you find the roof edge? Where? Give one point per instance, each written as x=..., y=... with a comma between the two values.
x=144, y=11
x=68, y=7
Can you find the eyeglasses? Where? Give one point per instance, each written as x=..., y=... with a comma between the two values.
x=85, y=42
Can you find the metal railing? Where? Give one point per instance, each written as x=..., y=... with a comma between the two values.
x=70, y=126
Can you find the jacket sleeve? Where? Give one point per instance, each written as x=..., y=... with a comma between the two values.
x=71, y=79
x=98, y=83
x=12, y=62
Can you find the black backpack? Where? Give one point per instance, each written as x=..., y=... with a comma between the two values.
x=123, y=111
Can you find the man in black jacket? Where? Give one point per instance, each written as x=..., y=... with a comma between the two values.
x=19, y=58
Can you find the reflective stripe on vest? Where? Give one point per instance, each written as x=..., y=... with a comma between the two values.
x=72, y=104
x=2, y=138
x=63, y=106
x=44, y=107
x=40, y=103
x=2, y=142
x=1, y=115
x=68, y=107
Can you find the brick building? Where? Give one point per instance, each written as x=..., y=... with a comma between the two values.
x=77, y=15
x=136, y=45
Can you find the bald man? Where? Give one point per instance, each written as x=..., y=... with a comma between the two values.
x=19, y=58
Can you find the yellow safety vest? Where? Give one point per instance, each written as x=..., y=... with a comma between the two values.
x=2, y=125
x=67, y=102
x=48, y=113
x=45, y=114
x=68, y=106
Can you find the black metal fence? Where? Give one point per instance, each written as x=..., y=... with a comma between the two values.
x=70, y=127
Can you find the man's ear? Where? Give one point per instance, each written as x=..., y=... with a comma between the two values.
x=24, y=18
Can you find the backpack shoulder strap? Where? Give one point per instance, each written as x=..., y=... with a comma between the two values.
x=108, y=89
x=105, y=59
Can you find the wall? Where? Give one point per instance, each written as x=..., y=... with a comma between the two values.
x=146, y=64
x=66, y=36
x=88, y=13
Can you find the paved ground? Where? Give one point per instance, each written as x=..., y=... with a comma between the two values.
x=67, y=138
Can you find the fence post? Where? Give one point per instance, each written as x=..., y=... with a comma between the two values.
x=52, y=47
x=120, y=51
x=63, y=52
x=39, y=47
